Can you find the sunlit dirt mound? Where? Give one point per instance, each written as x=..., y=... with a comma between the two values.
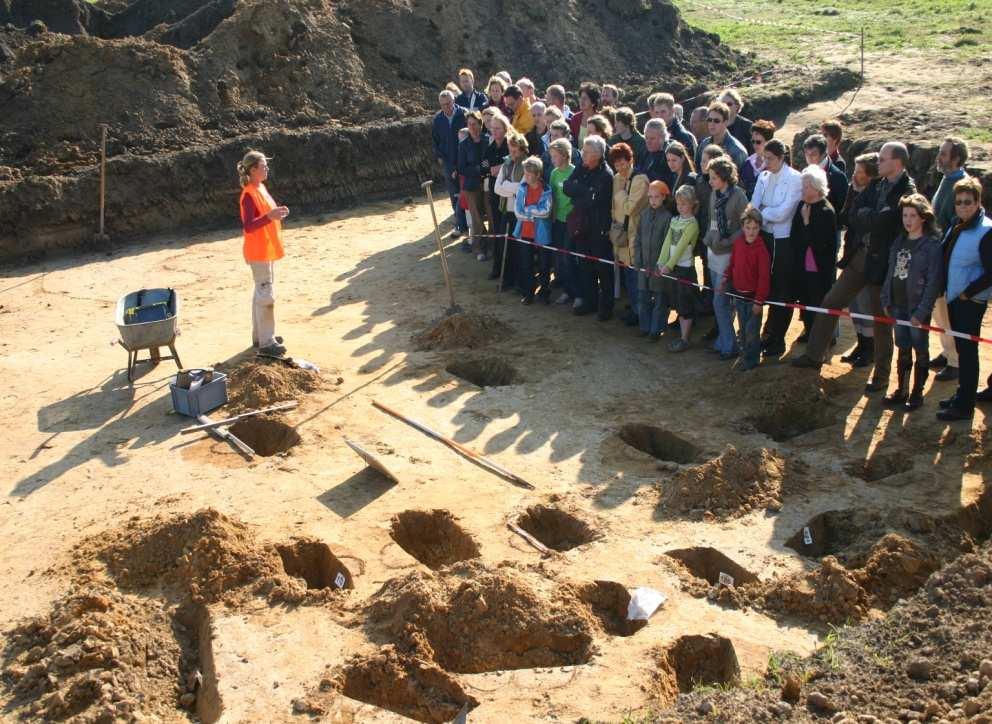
x=100, y=655
x=472, y=617
x=465, y=329
x=733, y=484
x=253, y=385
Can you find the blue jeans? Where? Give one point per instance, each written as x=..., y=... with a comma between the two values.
x=652, y=313
x=630, y=281
x=750, y=333
x=723, y=310
x=454, y=188
x=566, y=269
x=910, y=337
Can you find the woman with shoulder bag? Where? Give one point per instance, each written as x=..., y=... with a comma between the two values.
x=629, y=199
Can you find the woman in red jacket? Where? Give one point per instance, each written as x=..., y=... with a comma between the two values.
x=262, y=223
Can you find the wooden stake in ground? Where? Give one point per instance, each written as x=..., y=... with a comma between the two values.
x=454, y=308
x=242, y=416
x=102, y=236
x=475, y=457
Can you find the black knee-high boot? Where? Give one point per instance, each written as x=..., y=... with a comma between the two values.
x=920, y=373
x=903, y=365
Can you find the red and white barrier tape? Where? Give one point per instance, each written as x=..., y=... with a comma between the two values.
x=892, y=321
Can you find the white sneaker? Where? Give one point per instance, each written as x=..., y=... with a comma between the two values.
x=577, y=303
x=563, y=299
x=480, y=257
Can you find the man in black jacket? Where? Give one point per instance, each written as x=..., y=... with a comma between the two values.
x=815, y=150
x=591, y=189
x=470, y=99
x=662, y=105
x=878, y=214
x=739, y=126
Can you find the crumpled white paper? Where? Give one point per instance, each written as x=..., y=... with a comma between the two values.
x=644, y=602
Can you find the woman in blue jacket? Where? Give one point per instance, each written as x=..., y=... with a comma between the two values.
x=471, y=153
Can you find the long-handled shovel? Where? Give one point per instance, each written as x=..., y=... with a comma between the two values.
x=454, y=308
x=470, y=454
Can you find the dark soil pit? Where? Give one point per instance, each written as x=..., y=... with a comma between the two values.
x=472, y=618
x=485, y=371
x=835, y=532
x=266, y=436
x=403, y=684
x=694, y=661
x=880, y=466
x=660, y=443
x=791, y=408
x=708, y=563
x=433, y=537
x=609, y=602
x=313, y=561
x=555, y=528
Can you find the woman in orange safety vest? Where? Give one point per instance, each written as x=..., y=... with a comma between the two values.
x=262, y=222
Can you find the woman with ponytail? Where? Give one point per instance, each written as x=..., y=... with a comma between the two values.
x=261, y=220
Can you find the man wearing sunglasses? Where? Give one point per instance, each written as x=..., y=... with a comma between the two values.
x=968, y=260
x=717, y=119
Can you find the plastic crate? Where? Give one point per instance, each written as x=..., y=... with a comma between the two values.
x=202, y=400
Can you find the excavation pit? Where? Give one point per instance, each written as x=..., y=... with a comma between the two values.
x=609, y=602
x=314, y=562
x=660, y=443
x=830, y=533
x=406, y=685
x=266, y=436
x=709, y=564
x=433, y=537
x=555, y=528
x=484, y=371
x=880, y=466
x=697, y=660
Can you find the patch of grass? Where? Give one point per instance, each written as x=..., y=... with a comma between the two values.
x=805, y=29
x=828, y=652
x=979, y=135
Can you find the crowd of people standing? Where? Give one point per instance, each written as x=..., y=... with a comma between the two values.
x=656, y=196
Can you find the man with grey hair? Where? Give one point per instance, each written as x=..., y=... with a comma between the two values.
x=951, y=158
x=555, y=96
x=591, y=189
x=663, y=107
x=654, y=164
x=444, y=133
x=739, y=126
x=876, y=212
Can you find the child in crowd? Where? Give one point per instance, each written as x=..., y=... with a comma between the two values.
x=648, y=240
x=911, y=287
x=676, y=264
x=748, y=275
x=532, y=208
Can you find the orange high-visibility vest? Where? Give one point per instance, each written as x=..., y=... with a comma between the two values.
x=265, y=243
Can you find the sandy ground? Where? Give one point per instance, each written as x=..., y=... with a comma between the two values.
x=87, y=451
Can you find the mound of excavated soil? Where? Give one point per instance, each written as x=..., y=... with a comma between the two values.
x=191, y=84
x=465, y=329
x=210, y=557
x=407, y=685
x=733, y=484
x=253, y=385
x=206, y=555
x=471, y=617
x=99, y=655
x=926, y=660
